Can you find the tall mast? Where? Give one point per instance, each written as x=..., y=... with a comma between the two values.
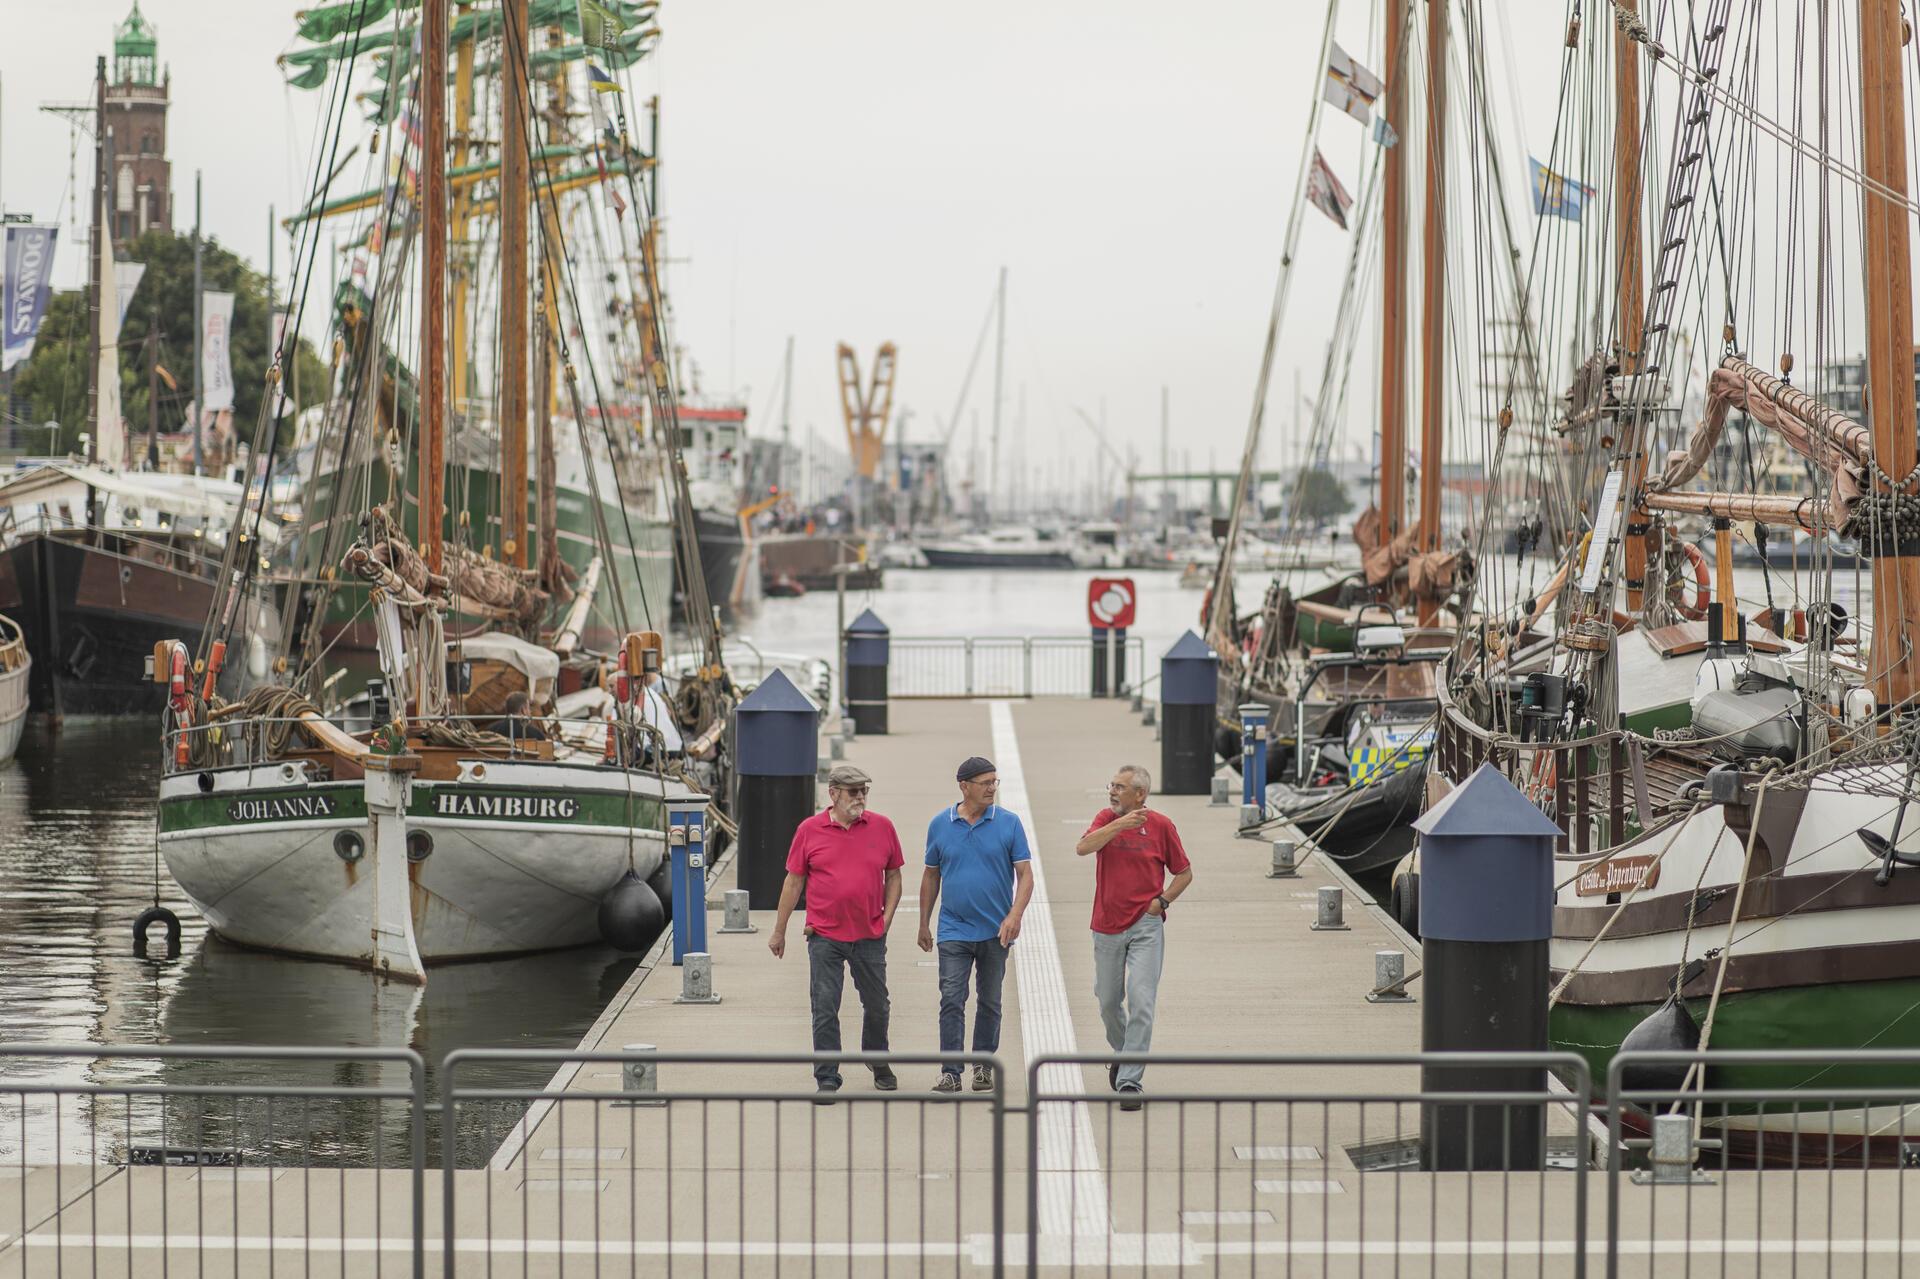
x=786, y=417
x=1433, y=305
x=100, y=241
x=1626, y=194
x=433, y=281
x=999, y=358
x=1889, y=296
x=516, y=89
x=460, y=266
x=1393, y=276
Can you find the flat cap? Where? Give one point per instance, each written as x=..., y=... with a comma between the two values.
x=848, y=775
x=973, y=767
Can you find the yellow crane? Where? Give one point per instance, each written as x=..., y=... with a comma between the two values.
x=866, y=413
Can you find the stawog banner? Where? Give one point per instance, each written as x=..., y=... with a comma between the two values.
x=216, y=364
x=28, y=284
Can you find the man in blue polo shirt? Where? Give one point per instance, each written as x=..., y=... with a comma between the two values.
x=977, y=852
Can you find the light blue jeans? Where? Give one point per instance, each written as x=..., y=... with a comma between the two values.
x=1126, y=981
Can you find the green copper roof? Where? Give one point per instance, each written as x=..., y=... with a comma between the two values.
x=134, y=47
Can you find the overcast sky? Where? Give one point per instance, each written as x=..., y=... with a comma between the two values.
x=859, y=170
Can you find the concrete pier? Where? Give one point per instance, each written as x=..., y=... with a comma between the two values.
x=739, y=1171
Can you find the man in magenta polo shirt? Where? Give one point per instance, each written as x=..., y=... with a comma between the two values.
x=848, y=862
x=1135, y=851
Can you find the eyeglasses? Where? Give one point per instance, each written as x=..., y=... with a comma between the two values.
x=989, y=782
x=1119, y=786
x=851, y=792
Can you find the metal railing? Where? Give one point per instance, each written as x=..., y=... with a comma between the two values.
x=676, y=1174
x=262, y=1160
x=236, y=1160
x=1339, y=1172
x=1005, y=666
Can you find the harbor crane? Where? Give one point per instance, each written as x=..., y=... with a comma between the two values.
x=867, y=412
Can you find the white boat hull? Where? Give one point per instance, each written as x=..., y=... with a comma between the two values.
x=508, y=863
x=13, y=706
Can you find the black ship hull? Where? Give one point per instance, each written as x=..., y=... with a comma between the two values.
x=727, y=564
x=91, y=616
x=1365, y=830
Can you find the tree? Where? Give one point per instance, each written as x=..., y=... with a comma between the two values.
x=55, y=379
x=1320, y=495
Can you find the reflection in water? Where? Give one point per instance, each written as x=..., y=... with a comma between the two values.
x=77, y=864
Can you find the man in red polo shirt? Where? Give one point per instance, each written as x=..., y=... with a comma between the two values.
x=848, y=862
x=1134, y=852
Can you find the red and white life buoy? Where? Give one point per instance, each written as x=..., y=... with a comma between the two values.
x=1702, y=592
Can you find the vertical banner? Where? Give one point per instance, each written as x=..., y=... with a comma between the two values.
x=126, y=279
x=29, y=280
x=216, y=365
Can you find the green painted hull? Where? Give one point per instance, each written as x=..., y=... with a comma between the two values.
x=1314, y=632
x=1878, y=1014
x=644, y=573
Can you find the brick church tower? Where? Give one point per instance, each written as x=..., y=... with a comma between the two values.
x=141, y=181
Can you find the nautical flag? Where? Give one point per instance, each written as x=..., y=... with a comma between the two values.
x=600, y=79
x=1383, y=133
x=1557, y=196
x=1325, y=193
x=599, y=25
x=29, y=282
x=1350, y=86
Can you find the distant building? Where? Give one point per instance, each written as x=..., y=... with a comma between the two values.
x=1843, y=385
x=137, y=96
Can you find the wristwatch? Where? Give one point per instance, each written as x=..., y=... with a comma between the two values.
x=1165, y=905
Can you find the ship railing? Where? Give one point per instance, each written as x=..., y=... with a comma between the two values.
x=267, y=739
x=1007, y=666
x=1601, y=787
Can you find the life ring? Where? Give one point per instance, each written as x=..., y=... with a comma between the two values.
x=1702, y=593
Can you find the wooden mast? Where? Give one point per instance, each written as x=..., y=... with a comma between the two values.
x=1889, y=296
x=517, y=88
x=1433, y=305
x=433, y=282
x=459, y=264
x=1632, y=296
x=1393, y=275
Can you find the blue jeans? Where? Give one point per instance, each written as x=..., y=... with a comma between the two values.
x=826, y=961
x=1126, y=981
x=987, y=961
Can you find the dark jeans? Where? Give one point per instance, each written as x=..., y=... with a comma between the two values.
x=825, y=960
x=987, y=961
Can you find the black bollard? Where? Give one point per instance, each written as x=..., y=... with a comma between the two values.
x=868, y=652
x=778, y=747
x=1486, y=912
x=1189, y=679
x=1109, y=649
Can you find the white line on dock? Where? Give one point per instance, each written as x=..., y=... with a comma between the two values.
x=1072, y=1189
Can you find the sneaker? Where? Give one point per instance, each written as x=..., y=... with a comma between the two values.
x=983, y=1078
x=823, y=1096
x=884, y=1079
x=949, y=1082
x=1129, y=1096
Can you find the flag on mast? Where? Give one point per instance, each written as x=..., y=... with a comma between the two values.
x=600, y=26
x=1350, y=86
x=601, y=80
x=1325, y=193
x=1557, y=196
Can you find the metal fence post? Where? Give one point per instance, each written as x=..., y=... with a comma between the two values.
x=1026, y=667
x=968, y=679
x=417, y=1141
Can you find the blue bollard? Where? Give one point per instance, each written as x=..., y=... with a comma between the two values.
x=1253, y=753
x=687, y=847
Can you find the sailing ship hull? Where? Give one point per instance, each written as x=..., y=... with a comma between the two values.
x=808, y=559
x=91, y=617
x=1364, y=830
x=644, y=572
x=260, y=856
x=13, y=708
x=729, y=562
x=967, y=557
